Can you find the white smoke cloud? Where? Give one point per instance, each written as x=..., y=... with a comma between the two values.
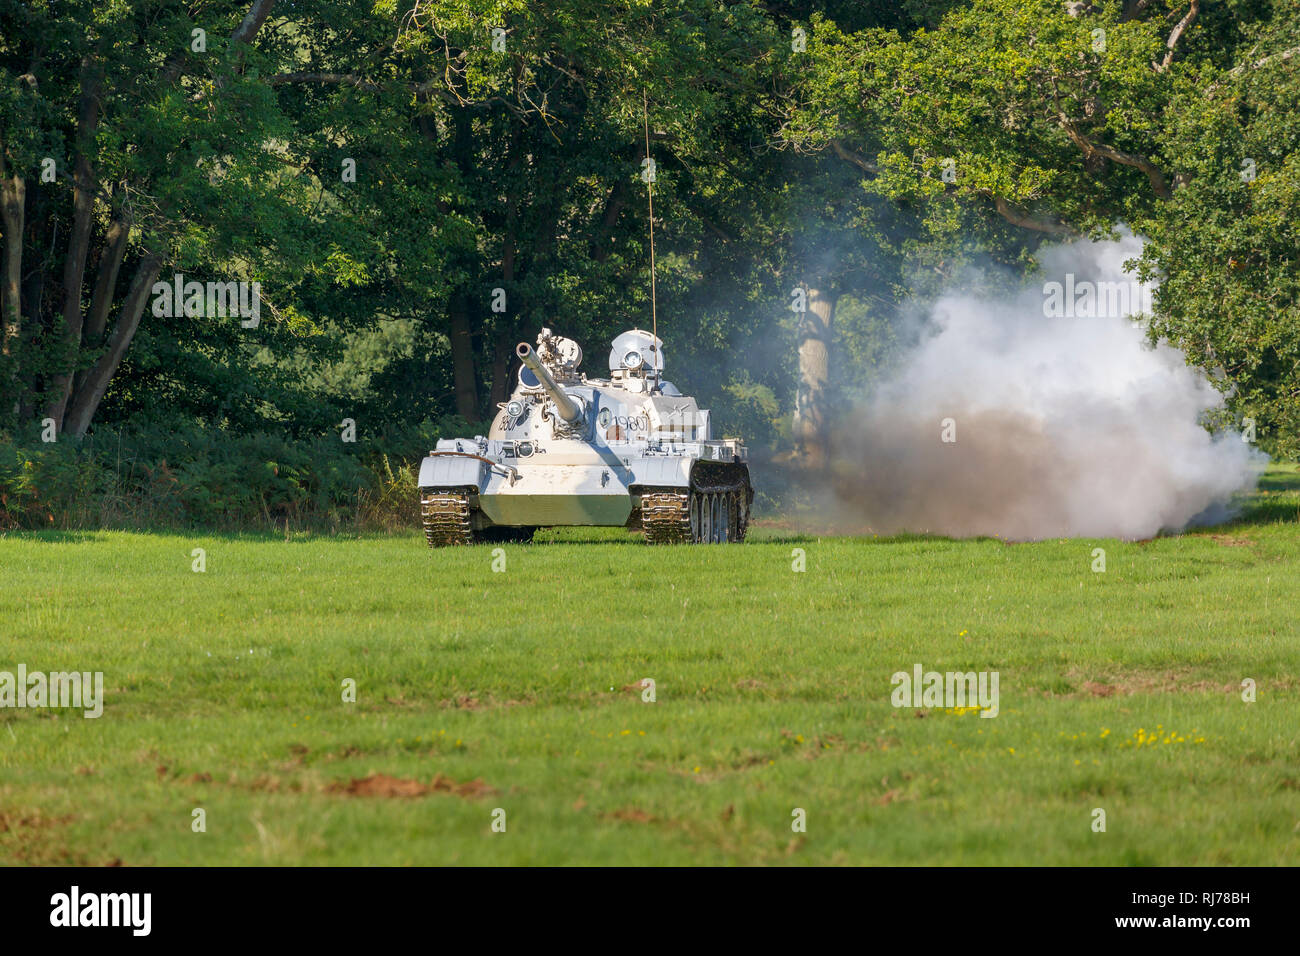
x=1067, y=425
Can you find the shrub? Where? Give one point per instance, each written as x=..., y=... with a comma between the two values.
x=188, y=476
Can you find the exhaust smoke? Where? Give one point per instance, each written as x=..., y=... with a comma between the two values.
x=1045, y=414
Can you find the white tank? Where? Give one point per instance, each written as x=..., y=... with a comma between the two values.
x=629, y=450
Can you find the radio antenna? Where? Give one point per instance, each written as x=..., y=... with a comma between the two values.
x=650, y=195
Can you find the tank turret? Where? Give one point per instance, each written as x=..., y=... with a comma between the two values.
x=565, y=407
x=629, y=450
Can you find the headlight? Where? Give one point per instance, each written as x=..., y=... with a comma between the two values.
x=515, y=409
x=633, y=359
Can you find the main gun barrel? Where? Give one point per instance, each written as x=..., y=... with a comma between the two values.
x=569, y=410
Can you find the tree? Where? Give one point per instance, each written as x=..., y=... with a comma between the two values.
x=1224, y=248
x=1059, y=119
x=117, y=126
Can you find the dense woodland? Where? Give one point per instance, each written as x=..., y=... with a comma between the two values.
x=416, y=187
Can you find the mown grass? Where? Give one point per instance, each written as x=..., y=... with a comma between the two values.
x=773, y=693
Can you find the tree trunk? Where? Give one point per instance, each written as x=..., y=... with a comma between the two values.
x=85, y=402
x=812, y=441
x=13, y=196
x=35, y=321
x=462, y=357
x=502, y=351
x=614, y=203
x=101, y=301
x=74, y=266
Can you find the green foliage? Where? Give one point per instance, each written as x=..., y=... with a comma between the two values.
x=1065, y=118
x=1224, y=249
x=480, y=168
x=866, y=343
x=750, y=409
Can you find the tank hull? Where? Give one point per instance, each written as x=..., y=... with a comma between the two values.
x=573, y=485
x=556, y=495
x=667, y=496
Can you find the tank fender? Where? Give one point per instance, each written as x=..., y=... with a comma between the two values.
x=663, y=472
x=451, y=471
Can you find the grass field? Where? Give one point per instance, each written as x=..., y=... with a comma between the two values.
x=520, y=690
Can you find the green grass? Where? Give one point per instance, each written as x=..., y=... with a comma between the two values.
x=224, y=692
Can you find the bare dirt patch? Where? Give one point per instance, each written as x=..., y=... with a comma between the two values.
x=462, y=703
x=11, y=821
x=630, y=815
x=268, y=784
x=383, y=785
x=467, y=702
x=1144, y=682
x=29, y=837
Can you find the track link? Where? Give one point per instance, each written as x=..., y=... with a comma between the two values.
x=445, y=516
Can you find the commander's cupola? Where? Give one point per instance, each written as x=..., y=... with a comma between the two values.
x=636, y=361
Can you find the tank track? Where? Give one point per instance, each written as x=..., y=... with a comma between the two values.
x=666, y=517
x=445, y=516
